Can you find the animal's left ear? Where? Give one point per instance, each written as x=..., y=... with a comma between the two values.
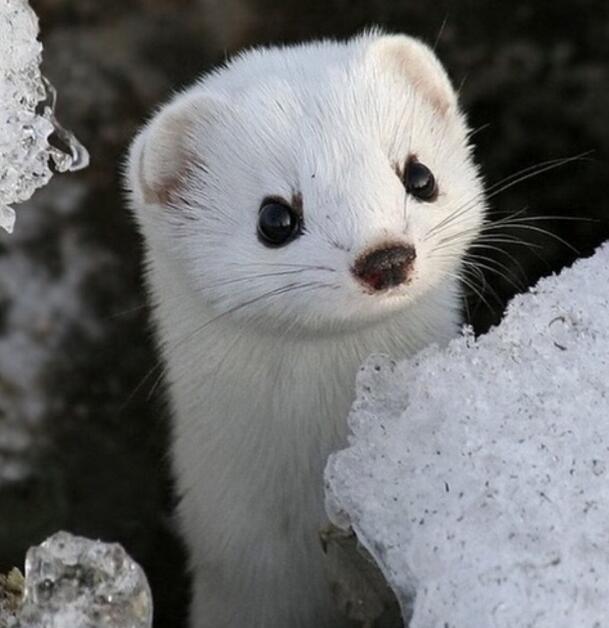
x=418, y=64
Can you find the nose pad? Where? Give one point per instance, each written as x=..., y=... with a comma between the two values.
x=385, y=267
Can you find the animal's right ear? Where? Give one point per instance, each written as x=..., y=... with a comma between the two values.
x=166, y=149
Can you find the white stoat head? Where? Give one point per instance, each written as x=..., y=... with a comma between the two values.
x=320, y=186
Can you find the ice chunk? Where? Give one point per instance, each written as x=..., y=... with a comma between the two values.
x=478, y=476
x=31, y=140
x=72, y=582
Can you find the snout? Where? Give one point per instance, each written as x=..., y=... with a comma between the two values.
x=385, y=267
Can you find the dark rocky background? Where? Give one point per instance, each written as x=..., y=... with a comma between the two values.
x=82, y=439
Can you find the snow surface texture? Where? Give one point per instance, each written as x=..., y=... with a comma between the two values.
x=27, y=119
x=478, y=475
x=72, y=582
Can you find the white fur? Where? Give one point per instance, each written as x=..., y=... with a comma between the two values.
x=261, y=383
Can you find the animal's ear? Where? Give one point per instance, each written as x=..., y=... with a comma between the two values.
x=165, y=151
x=418, y=64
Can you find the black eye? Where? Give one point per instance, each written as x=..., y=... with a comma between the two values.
x=419, y=181
x=278, y=223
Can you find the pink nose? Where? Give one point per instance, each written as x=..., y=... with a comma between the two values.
x=385, y=267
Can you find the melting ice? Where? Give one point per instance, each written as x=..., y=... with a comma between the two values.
x=32, y=143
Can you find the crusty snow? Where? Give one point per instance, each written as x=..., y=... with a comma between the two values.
x=478, y=475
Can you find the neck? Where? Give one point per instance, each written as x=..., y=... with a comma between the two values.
x=216, y=362
x=255, y=417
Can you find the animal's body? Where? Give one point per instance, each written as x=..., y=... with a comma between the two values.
x=301, y=208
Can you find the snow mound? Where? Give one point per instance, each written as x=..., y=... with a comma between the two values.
x=27, y=118
x=478, y=475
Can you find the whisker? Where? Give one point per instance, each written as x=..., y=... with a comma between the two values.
x=492, y=227
x=496, y=249
x=503, y=185
x=461, y=210
x=482, y=127
x=127, y=312
x=235, y=280
x=441, y=31
x=283, y=265
x=504, y=267
x=469, y=284
x=493, y=238
x=471, y=267
x=193, y=334
x=484, y=285
x=518, y=287
x=532, y=171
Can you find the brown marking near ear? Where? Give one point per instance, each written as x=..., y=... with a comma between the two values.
x=400, y=166
x=414, y=60
x=297, y=202
x=169, y=176
x=155, y=194
x=398, y=169
x=167, y=157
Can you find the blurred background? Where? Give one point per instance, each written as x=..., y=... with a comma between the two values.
x=83, y=432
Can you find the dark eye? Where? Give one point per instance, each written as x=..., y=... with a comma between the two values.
x=278, y=223
x=419, y=181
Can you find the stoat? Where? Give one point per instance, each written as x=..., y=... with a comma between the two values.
x=301, y=208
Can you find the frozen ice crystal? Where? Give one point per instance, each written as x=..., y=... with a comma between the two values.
x=32, y=143
x=72, y=582
x=478, y=475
